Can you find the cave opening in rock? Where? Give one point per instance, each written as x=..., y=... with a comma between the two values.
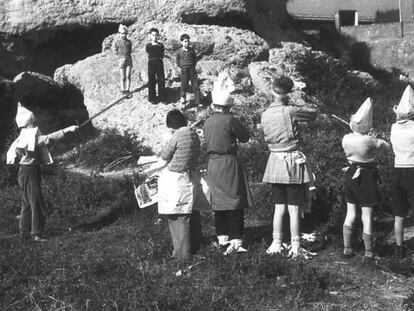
x=227, y=20
x=50, y=49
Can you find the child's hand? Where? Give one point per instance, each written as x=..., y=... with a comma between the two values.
x=71, y=129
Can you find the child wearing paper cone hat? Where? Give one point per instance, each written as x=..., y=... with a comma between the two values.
x=30, y=151
x=361, y=178
x=226, y=178
x=402, y=180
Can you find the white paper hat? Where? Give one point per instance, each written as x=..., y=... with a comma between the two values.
x=361, y=121
x=24, y=116
x=222, y=88
x=405, y=109
x=122, y=29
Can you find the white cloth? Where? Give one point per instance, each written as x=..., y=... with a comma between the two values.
x=28, y=140
x=175, y=193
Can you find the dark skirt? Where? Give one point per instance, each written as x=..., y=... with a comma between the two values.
x=227, y=183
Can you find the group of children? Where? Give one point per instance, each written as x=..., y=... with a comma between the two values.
x=186, y=60
x=287, y=169
x=289, y=174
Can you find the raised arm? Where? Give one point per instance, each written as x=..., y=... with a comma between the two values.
x=303, y=114
x=55, y=136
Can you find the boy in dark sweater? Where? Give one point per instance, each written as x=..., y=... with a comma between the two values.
x=156, y=75
x=186, y=59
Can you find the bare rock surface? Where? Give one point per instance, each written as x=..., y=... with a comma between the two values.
x=228, y=44
x=98, y=76
x=28, y=15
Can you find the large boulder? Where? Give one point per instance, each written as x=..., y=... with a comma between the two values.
x=54, y=105
x=7, y=108
x=17, y=17
x=227, y=44
x=98, y=76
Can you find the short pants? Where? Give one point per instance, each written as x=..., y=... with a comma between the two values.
x=402, y=190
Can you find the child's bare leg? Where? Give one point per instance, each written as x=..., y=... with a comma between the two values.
x=347, y=229
x=123, y=77
x=399, y=230
x=276, y=246
x=294, y=216
x=128, y=77
x=367, y=230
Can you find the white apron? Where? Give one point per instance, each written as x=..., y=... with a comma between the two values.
x=175, y=192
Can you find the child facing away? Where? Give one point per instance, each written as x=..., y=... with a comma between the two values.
x=30, y=152
x=286, y=169
x=226, y=178
x=186, y=60
x=156, y=76
x=361, y=178
x=402, y=178
x=123, y=48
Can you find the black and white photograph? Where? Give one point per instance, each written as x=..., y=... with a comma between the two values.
x=207, y=155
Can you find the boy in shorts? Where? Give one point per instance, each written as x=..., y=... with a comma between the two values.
x=402, y=180
x=123, y=48
x=156, y=75
x=186, y=59
x=361, y=178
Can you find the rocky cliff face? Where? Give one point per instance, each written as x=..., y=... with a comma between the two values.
x=22, y=16
x=98, y=76
x=33, y=30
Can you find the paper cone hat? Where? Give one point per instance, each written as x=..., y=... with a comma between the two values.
x=24, y=116
x=123, y=29
x=222, y=88
x=405, y=109
x=361, y=121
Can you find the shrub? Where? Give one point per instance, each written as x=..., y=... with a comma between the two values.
x=111, y=148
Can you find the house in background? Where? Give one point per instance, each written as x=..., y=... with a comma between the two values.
x=314, y=14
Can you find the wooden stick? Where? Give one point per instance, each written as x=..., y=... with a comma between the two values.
x=340, y=119
x=116, y=101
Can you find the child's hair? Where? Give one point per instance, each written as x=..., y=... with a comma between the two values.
x=154, y=30
x=175, y=119
x=184, y=36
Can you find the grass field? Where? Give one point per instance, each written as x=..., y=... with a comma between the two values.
x=122, y=262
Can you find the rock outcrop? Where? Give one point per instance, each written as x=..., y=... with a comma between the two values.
x=7, y=108
x=54, y=105
x=22, y=16
x=227, y=44
x=98, y=76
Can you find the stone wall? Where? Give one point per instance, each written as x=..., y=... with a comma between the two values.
x=370, y=10
x=383, y=45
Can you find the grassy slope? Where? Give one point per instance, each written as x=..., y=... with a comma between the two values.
x=126, y=264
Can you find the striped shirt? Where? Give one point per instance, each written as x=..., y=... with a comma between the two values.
x=182, y=151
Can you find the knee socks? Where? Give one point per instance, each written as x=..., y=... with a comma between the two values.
x=367, y=238
x=347, y=232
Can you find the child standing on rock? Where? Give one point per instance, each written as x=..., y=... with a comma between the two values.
x=30, y=151
x=155, y=50
x=361, y=178
x=123, y=48
x=186, y=59
x=402, y=180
